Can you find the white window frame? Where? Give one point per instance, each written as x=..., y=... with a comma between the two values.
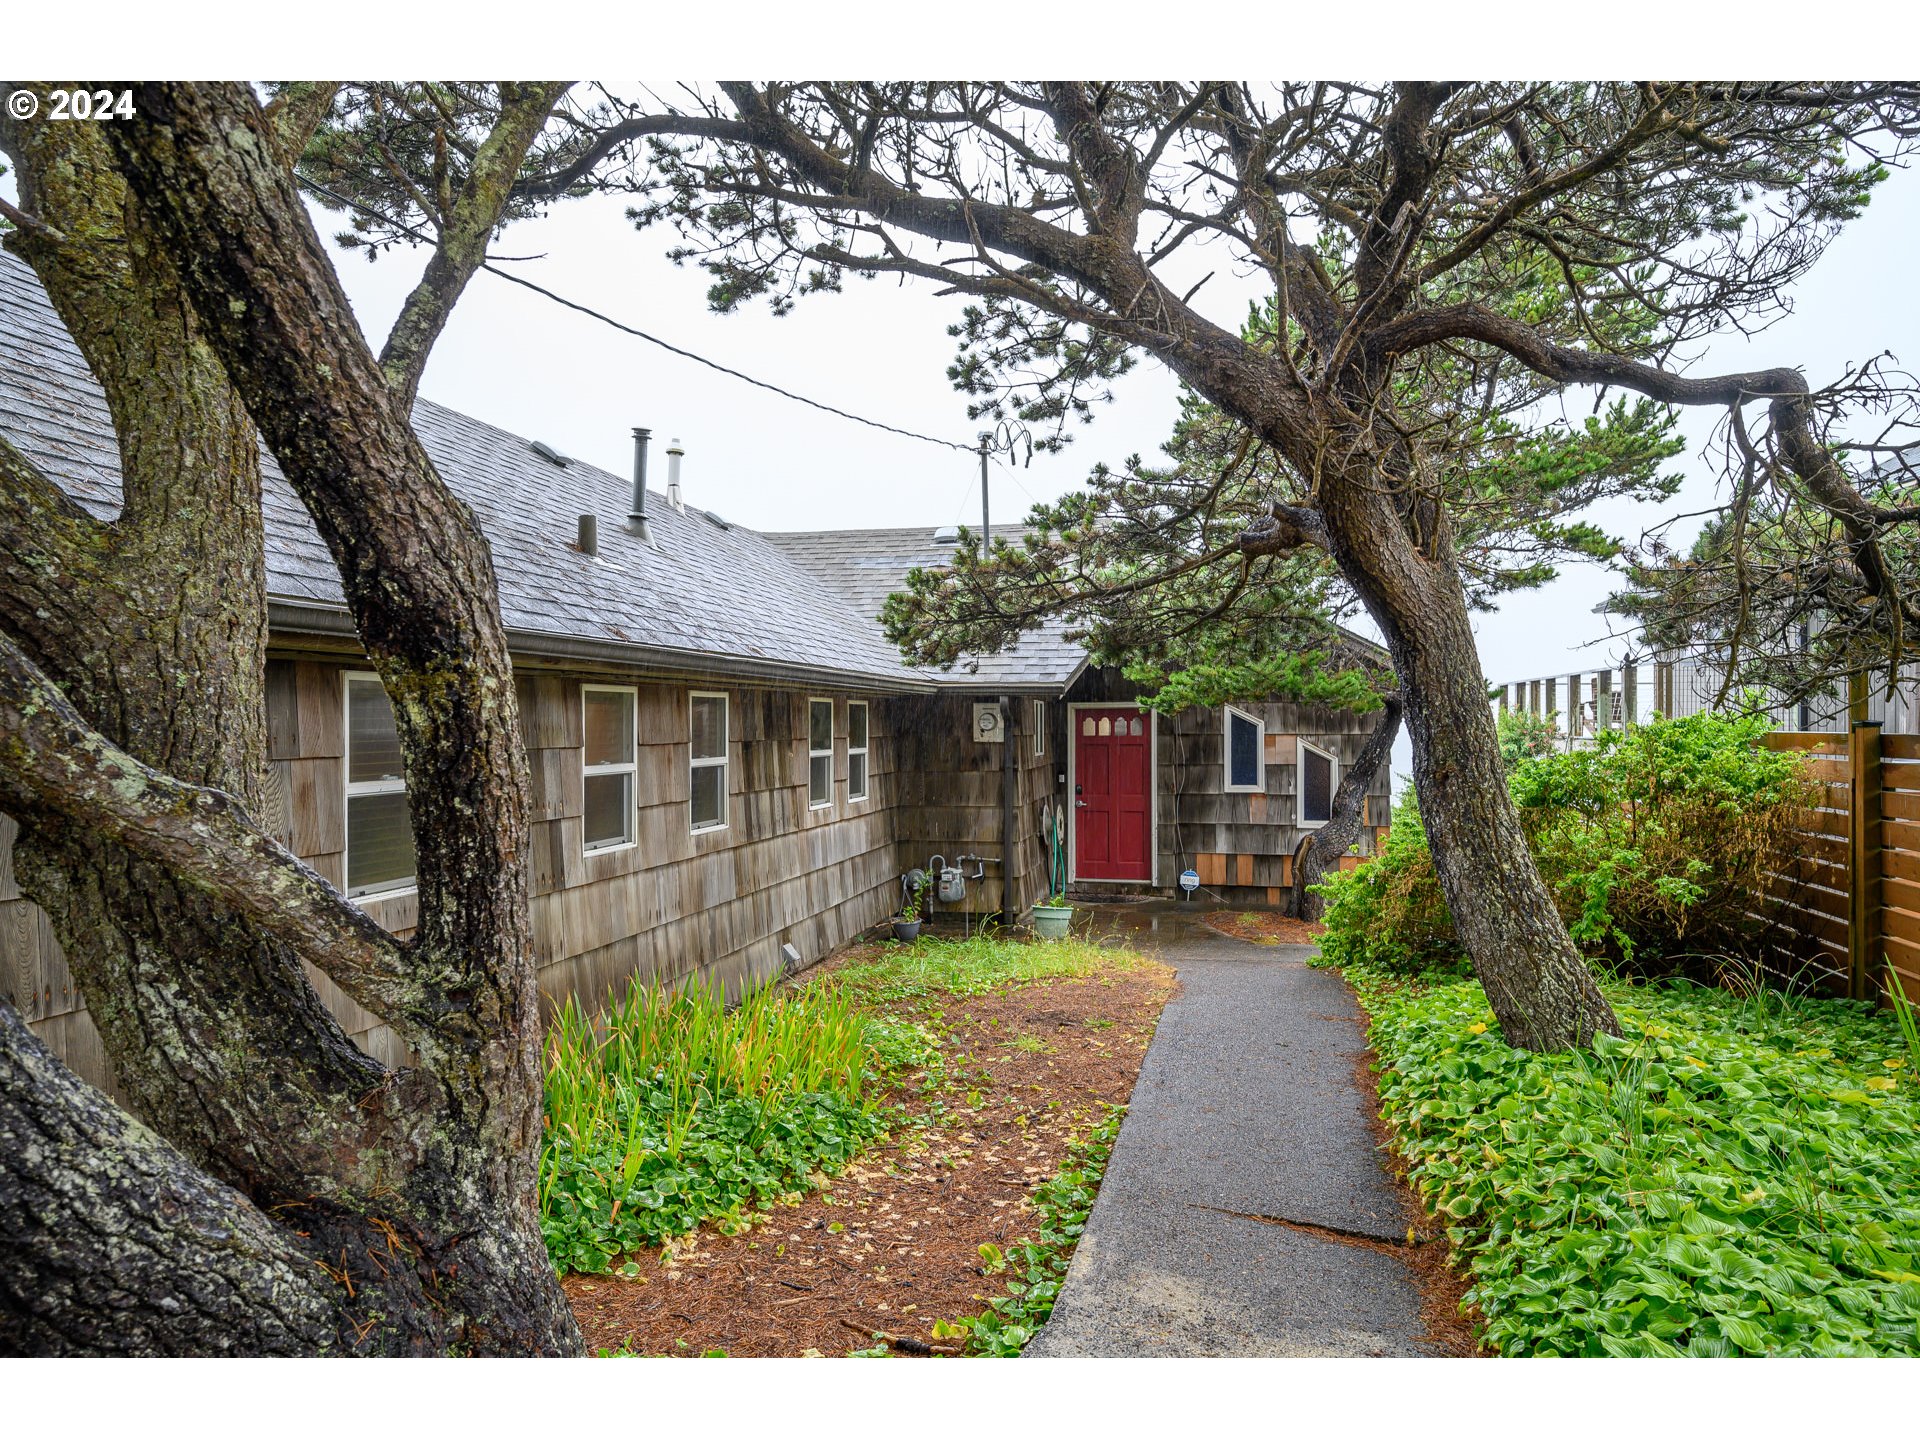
x=864, y=751
x=365, y=787
x=1259, y=785
x=631, y=767
x=724, y=760
x=813, y=754
x=1039, y=727
x=1302, y=746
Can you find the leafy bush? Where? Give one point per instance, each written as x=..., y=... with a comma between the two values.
x=1658, y=839
x=1653, y=844
x=1524, y=735
x=1389, y=912
x=1737, y=1176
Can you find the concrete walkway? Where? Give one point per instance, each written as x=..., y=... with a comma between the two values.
x=1245, y=1108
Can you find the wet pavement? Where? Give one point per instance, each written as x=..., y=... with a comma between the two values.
x=1246, y=1113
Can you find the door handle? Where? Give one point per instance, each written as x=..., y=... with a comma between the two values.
x=1081, y=803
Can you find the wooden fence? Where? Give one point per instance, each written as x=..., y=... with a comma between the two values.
x=1849, y=896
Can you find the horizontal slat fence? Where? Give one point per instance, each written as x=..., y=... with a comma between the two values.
x=1846, y=901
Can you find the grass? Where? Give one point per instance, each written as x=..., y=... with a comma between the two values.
x=970, y=967
x=1739, y=1175
x=672, y=1109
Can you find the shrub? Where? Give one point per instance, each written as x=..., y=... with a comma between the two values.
x=1389, y=912
x=1658, y=839
x=1654, y=845
x=1524, y=735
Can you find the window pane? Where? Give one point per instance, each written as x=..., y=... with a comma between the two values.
x=609, y=717
x=1316, y=796
x=1243, y=750
x=709, y=727
x=709, y=795
x=857, y=726
x=379, y=843
x=820, y=780
x=820, y=725
x=609, y=810
x=373, y=749
x=856, y=776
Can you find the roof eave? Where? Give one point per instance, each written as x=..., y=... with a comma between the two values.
x=660, y=661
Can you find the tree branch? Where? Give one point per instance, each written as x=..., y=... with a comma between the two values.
x=55, y=766
x=464, y=232
x=113, y=1243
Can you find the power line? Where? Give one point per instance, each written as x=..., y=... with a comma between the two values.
x=623, y=327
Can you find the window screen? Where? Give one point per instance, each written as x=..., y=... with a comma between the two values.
x=856, y=750
x=609, y=760
x=1243, y=752
x=819, y=753
x=1316, y=786
x=709, y=761
x=379, y=827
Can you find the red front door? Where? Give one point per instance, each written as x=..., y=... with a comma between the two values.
x=1113, y=794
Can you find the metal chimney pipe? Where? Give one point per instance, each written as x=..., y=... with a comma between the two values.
x=674, y=452
x=589, y=542
x=637, y=510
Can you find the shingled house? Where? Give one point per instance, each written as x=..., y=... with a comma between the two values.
x=731, y=767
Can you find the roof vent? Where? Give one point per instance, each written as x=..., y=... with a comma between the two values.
x=674, y=452
x=547, y=453
x=716, y=520
x=947, y=535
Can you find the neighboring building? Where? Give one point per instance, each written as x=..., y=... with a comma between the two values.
x=1584, y=702
x=727, y=757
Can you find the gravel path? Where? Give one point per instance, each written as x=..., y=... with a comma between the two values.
x=1245, y=1113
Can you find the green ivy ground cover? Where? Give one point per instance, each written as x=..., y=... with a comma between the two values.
x=1734, y=1177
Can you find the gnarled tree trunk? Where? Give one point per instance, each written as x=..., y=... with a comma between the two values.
x=298, y=1197
x=1324, y=848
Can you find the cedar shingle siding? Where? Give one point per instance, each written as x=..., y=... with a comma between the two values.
x=769, y=620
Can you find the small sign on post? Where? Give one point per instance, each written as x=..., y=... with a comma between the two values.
x=1189, y=882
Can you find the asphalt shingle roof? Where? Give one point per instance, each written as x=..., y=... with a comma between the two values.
x=866, y=566
x=710, y=592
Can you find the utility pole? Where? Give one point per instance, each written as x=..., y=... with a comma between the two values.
x=986, y=526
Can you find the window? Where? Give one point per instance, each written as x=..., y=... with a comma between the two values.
x=607, y=716
x=1039, y=727
x=379, y=827
x=856, y=750
x=1317, y=776
x=1246, y=744
x=709, y=751
x=819, y=754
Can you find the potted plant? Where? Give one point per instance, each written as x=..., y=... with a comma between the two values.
x=906, y=925
x=1052, y=916
x=1051, y=919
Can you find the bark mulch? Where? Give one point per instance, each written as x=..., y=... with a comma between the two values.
x=1263, y=927
x=893, y=1243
